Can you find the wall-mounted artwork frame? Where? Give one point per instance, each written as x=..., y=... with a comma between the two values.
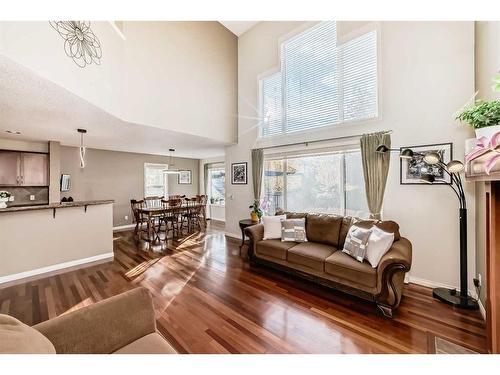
x=65, y=182
x=185, y=177
x=411, y=170
x=239, y=173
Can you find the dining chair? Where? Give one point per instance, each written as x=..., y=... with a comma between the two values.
x=191, y=214
x=203, y=200
x=171, y=216
x=138, y=217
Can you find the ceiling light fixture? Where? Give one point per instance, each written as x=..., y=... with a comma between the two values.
x=171, y=163
x=82, y=149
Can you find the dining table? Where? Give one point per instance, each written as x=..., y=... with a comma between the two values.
x=158, y=212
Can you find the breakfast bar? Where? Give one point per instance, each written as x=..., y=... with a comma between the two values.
x=46, y=239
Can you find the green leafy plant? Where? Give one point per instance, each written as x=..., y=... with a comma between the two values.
x=481, y=114
x=256, y=208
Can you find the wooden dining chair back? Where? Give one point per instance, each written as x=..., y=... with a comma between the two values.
x=190, y=217
x=203, y=200
x=153, y=202
x=137, y=215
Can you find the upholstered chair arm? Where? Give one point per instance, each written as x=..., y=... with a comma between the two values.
x=103, y=327
x=256, y=234
x=391, y=272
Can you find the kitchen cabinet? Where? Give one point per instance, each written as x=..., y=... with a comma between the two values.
x=24, y=169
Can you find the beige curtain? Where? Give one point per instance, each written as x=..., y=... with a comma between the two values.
x=375, y=169
x=257, y=169
x=205, y=178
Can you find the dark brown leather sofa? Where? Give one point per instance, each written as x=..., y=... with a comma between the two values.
x=321, y=259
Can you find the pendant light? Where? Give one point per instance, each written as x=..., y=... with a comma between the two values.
x=82, y=149
x=171, y=166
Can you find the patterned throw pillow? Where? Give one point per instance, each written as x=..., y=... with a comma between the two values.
x=356, y=242
x=293, y=230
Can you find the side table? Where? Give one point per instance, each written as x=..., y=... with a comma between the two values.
x=245, y=223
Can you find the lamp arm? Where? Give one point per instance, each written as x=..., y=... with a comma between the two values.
x=458, y=182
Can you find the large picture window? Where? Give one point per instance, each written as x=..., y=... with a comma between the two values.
x=321, y=82
x=324, y=182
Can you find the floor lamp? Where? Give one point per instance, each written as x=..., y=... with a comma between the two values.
x=453, y=168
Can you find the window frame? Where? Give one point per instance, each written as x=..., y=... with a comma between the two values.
x=264, y=141
x=209, y=184
x=343, y=150
x=165, y=177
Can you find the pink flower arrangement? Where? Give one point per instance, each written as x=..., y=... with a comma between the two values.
x=483, y=146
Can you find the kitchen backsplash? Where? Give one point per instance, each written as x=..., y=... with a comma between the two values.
x=22, y=195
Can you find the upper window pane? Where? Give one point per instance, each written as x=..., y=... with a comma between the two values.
x=321, y=82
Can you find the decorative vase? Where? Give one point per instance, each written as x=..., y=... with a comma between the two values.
x=254, y=217
x=487, y=132
x=3, y=202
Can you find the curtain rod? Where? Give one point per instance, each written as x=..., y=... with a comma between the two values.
x=324, y=140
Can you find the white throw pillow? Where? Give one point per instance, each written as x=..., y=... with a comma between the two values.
x=272, y=226
x=378, y=244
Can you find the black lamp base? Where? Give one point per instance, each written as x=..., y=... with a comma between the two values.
x=452, y=297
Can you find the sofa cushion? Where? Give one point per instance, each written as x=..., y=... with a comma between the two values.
x=18, y=338
x=324, y=229
x=274, y=248
x=343, y=266
x=310, y=254
x=293, y=230
x=149, y=344
x=388, y=226
x=347, y=222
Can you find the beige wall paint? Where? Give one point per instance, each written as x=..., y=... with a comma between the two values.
x=175, y=75
x=487, y=64
x=119, y=176
x=426, y=75
x=16, y=145
x=72, y=235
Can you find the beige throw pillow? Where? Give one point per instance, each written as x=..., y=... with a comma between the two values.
x=356, y=242
x=378, y=244
x=272, y=226
x=293, y=230
x=18, y=338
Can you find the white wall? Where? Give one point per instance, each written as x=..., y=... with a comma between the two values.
x=427, y=74
x=175, y=75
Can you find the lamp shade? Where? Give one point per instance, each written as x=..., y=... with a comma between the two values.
x=455, y=166
x=406, y=154
x=382, y=149
x=432, y=158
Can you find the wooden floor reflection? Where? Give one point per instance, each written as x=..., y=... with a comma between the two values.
x=208, y=300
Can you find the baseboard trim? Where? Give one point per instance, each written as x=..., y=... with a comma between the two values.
x=433, y=284
x=232, y=235
x=123, y=227
x=39, y=273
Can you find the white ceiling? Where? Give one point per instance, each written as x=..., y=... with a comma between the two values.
x=42, y=111
x=238, y=27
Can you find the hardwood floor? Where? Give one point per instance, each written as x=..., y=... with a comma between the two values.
x=208, y=300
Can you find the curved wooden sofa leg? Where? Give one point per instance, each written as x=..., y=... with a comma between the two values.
x=386, y=310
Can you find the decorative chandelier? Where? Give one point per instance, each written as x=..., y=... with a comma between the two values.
x=171, y=164
x=80, y=42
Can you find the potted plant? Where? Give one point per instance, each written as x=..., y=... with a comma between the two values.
x=4, y=198
x=483, y=116
x=256, y=212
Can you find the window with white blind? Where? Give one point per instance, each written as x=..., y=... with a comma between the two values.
x=321, y=82
x=322, y=182
x=155, y=181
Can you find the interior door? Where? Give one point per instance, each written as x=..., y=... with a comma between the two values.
x=9, y=168
x=35, y=171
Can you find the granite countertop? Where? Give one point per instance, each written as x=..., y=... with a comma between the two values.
x=56, y=205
